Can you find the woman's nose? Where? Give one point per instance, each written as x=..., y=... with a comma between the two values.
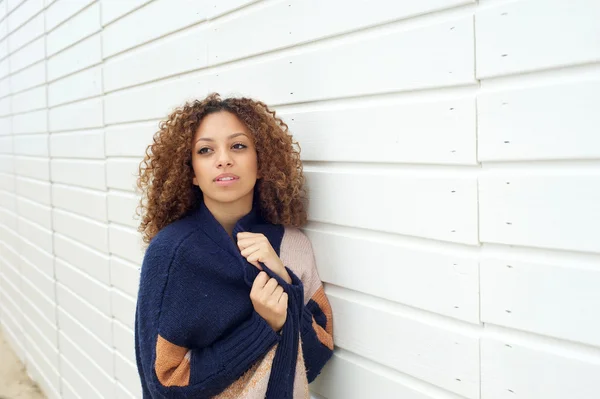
x=224, y=160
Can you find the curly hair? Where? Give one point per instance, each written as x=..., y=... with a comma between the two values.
x=165, y=173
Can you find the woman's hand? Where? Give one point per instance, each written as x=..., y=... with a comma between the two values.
x=256, y=248
x=269, y=300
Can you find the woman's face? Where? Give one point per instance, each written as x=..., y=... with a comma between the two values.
x=224, y=159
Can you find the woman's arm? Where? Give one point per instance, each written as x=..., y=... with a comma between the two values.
x=170, y=369
x=179, y=372
x=316, y=319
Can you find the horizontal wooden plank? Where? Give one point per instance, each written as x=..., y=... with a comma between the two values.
x=30, y=122
x=87, y=144
x=219, y=7
x=167, y=57
x=442, y=59
x=40, y=236
x=6, y=145
x=125, y=242
x=67, y=391
x=123, y=307
x=87, y=315
x=80, y=85
x=29, y=100
x=434, y=279
x=35, y=212
x=84, y=338
x=27, y=78
x=3, y=9
x=125, y=275
x=32, y=145
x=40, y=369
x=47, y=349
x=122, y=173
x=39, y=279
x=428, y=205
x=72, y=378
x=5, y=104
x=84, y=173
x=43, y=260
x=10, y=237
x=284, y=24
x=505, y=38
x=40, y=301
x=126, y=372
x=90, y=203
x=13, y=334
x=84, y=54
x=8, y=201
x=61, y=10
x=36, y=168
x=112, y=10
x=124, y=339
x=434, y=132
x=23, y=13
x=438, y=355
x=540, y=123
x=28, y=55
x=511, y=211
x=71, y=225
x=510, y=369
x=343, y=377
x=557, y=298
x=130, y=139
x=156, y=19
x=37, y=190
x=152, y=105
x=79, y=27
x=46, y=328
x=3, y=45
x=7, y=163
x=8, y=219
x=98, y=377
x=95, y=293
x=80, y=115
x=28, y=32
x=8, y=182
x=89, y=260
x=4, y=68
x=122, y=208
x=5, y=88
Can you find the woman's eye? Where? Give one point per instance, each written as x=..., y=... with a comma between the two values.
x=242, y=146
x=202, y=150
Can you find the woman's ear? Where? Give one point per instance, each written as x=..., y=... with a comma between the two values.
x=195, y=181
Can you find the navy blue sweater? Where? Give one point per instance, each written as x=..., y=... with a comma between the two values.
x=196, y=331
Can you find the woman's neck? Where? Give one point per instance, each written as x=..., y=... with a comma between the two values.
x=227, y=214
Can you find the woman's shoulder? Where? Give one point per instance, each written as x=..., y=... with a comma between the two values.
x=294, y=238
x=297, y=250
x=172, y=236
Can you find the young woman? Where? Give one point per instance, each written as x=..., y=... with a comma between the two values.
x=230, y=304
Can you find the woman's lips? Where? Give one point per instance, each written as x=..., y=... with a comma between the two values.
x=226, y=182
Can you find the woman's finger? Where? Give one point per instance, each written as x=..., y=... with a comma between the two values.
x=249, y=250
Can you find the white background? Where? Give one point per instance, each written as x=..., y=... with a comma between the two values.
x=451, y=148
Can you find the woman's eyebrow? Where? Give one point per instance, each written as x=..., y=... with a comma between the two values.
x=228, y=137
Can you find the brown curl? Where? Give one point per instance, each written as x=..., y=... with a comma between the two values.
x=165, y=173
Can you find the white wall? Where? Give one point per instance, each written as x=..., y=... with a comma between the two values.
x=452, y=151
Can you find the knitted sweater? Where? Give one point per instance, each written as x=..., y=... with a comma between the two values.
x=197, y=334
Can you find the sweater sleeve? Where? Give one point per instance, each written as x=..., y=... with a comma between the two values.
x=316, y=318
x=316, y=331
x=173, y=360
x=179, y=372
